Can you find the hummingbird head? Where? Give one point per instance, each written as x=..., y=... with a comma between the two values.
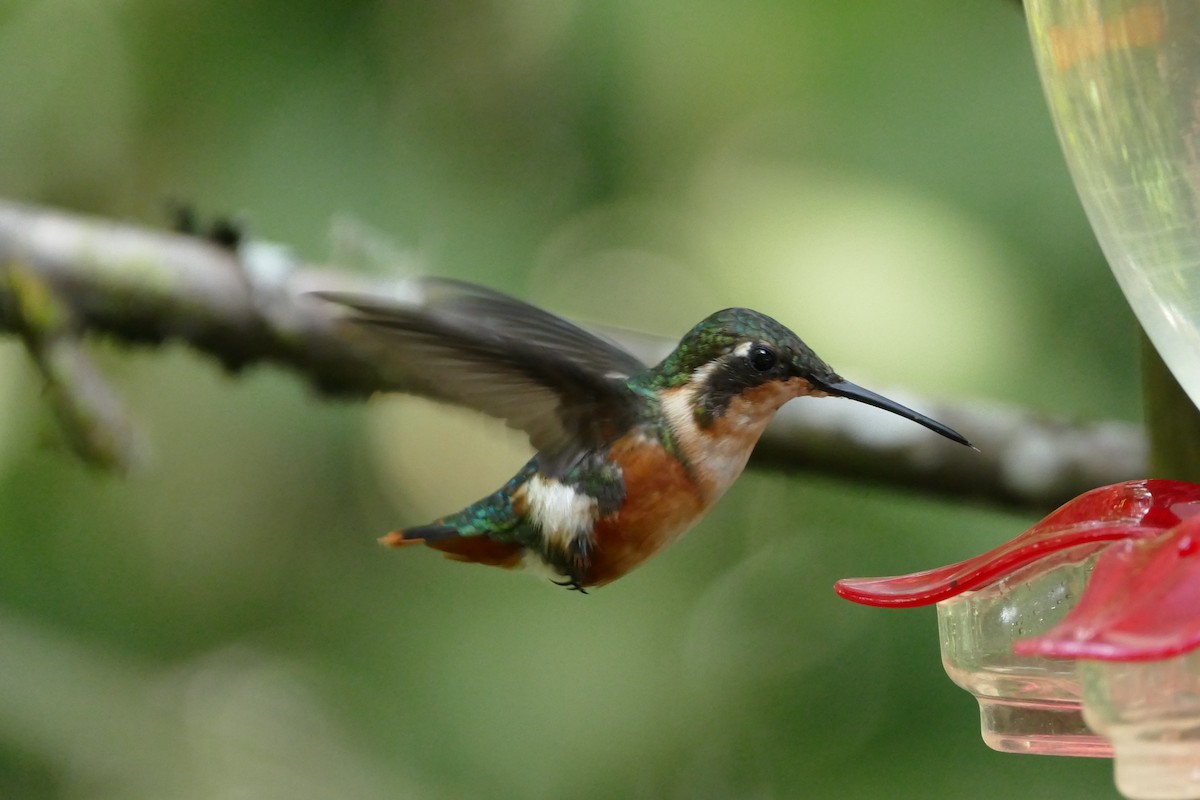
x=739, y=361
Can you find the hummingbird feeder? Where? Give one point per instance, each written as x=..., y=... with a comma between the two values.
x=1081, y=636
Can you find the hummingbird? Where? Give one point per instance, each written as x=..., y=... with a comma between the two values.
x=628, y=456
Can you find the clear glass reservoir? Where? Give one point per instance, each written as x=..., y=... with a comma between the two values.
x=1027, y=704
x=1121, y=79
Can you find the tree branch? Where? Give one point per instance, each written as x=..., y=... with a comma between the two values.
x=249, y=305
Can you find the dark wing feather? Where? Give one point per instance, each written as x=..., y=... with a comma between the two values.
x=506, y=315
x=471, y=346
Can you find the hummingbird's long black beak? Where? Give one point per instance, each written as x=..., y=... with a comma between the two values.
x=844, y=388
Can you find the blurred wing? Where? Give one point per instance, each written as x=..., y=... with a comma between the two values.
x=465, y=344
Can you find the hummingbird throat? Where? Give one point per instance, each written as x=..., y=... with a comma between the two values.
x=715, y=431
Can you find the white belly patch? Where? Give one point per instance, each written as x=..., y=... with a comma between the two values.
x=562, y=513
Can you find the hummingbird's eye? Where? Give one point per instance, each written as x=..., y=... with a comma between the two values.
x=762, y=358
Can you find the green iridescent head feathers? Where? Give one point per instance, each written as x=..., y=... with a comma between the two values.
x=720, y=334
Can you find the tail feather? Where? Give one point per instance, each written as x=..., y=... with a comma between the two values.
x=424, y=535
x=479, y=548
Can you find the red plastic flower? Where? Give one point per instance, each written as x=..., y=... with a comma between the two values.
x=1143, y=599
x=1142, y=603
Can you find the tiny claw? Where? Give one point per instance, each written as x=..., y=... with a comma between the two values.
x=573, y=584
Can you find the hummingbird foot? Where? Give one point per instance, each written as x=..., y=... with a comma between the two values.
x=573, y=563
x=572, y=583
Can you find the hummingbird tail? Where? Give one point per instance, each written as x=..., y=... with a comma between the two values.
x=426, y=535
x=479, y=548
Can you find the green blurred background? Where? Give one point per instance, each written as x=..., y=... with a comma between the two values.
x=882, y=177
